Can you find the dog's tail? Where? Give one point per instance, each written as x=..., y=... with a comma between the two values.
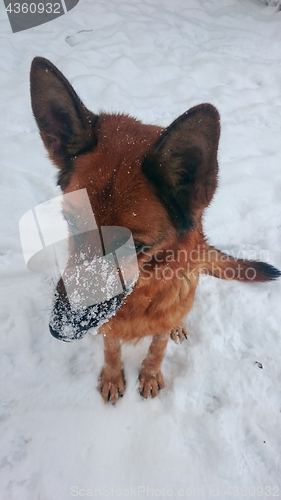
x=224, y=266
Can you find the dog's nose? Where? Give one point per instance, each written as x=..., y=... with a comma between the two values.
x=56, y=334
x=69, y=325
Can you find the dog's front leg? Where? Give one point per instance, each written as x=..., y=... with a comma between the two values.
x=112, y=382
x=151, y=378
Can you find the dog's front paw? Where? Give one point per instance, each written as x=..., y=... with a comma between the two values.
x=178, y=334
x=150, y=384
x=112, y=385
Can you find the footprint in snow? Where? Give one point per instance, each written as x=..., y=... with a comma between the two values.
x=79, y=37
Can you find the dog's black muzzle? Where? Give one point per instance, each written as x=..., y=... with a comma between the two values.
x=69, y=325
x=92, y=289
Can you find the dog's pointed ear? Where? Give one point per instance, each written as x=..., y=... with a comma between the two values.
x=183, y=164
x=66, y=126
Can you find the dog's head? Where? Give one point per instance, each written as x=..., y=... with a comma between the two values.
x=155, y=182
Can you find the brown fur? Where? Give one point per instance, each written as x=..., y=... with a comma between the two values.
x=155, y=182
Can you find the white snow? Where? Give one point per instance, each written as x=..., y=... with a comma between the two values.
x=216, y=425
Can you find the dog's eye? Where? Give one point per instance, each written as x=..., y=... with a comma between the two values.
x=141, y=247
x=138, y=247
x=70, y=219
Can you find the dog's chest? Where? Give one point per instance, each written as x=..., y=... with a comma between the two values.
x=152, y=308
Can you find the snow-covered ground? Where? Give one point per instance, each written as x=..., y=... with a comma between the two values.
x=215, y=429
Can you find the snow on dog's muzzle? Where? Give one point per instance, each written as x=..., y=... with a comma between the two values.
x=96, y=267
x=67, y=324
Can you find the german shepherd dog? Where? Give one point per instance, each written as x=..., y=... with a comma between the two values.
x=156, y=182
